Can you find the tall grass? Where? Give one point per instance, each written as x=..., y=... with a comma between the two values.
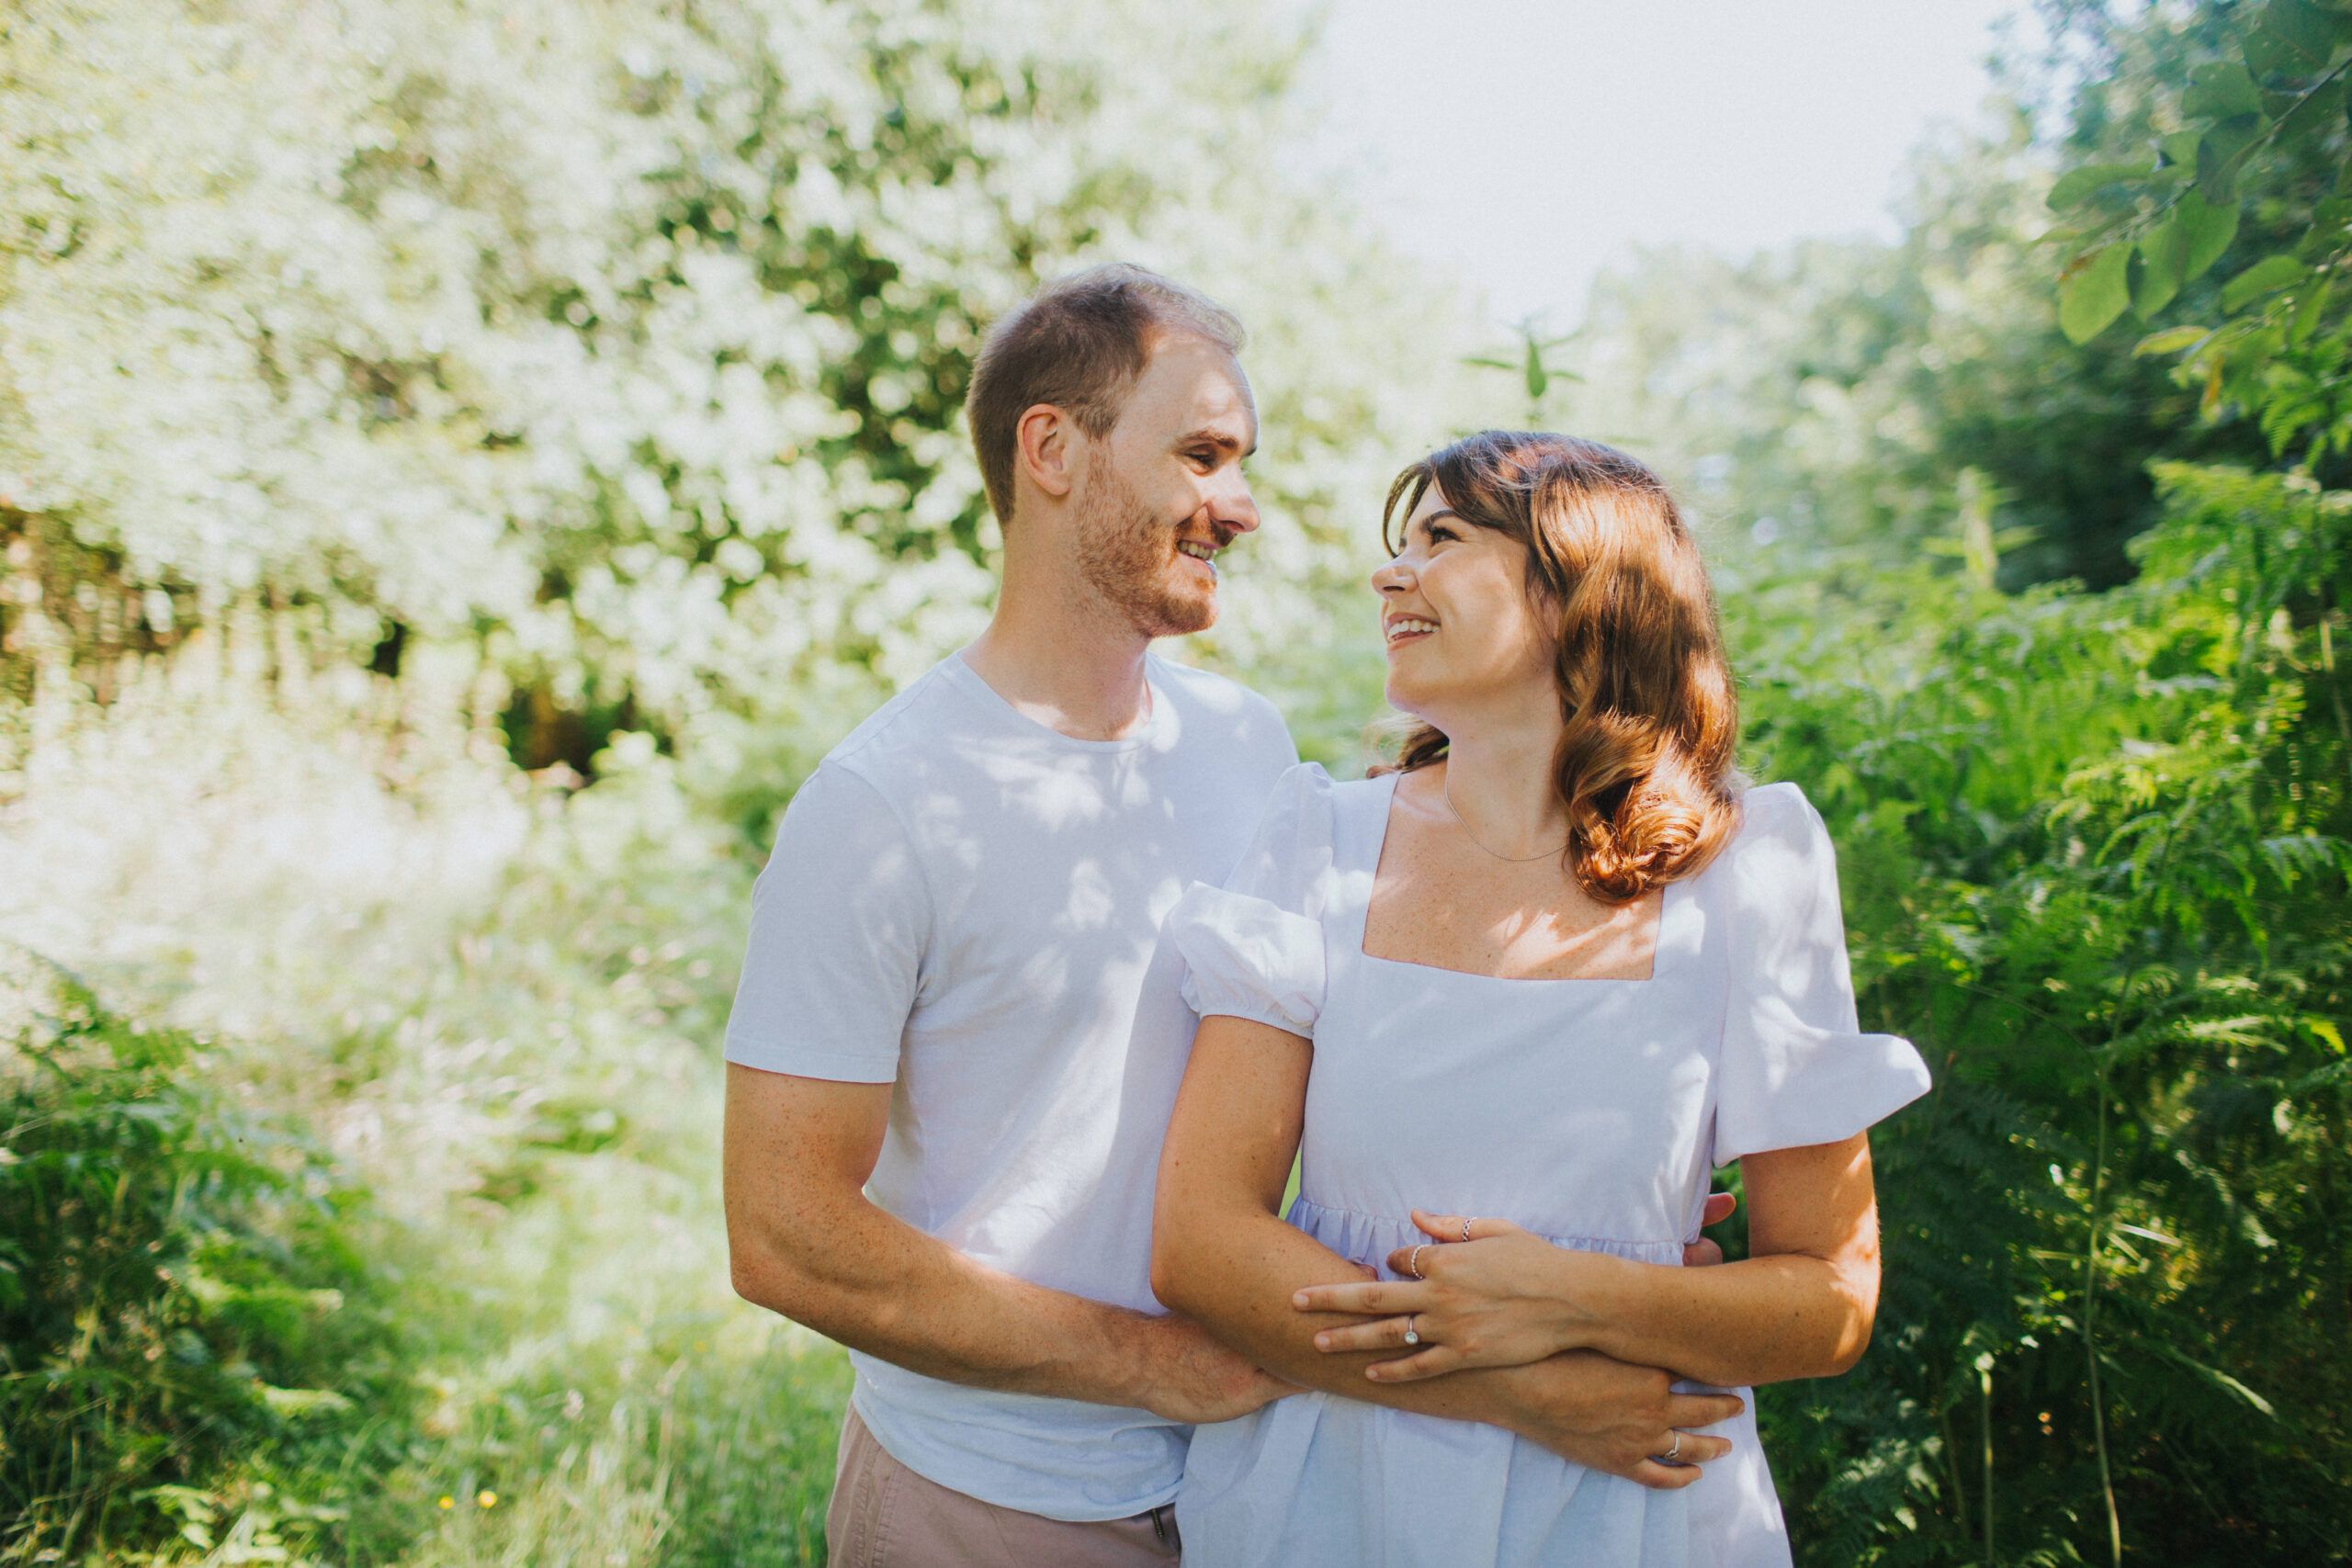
x=490, y=1001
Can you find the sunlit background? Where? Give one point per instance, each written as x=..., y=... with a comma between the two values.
x=462, y=462
x=1523, y=145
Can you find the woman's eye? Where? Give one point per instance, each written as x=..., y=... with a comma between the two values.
x=1442, y=532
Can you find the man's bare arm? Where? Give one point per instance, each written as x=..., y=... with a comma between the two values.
x=806, y=1242
x=1220, y=1253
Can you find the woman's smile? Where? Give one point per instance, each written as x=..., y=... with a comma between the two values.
x=1402, y=630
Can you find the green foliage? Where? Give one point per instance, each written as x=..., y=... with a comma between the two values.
x=2094, y=851
x=183, y=1320
x=2234, y=108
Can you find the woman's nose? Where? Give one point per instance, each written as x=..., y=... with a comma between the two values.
x=1391, y=577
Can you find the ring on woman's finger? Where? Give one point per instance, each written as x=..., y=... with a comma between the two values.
x=1412, y=1335
x=1668, y=1457
x=1413, y=1263
x=1466, y=1230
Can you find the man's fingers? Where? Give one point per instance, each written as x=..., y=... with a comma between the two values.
x=1697, y=1448
x=1664, y=1477
x=1701, y=1410
x=1718, y=1208
x=1692, y=1450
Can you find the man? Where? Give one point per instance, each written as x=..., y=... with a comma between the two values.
x=957, y=1039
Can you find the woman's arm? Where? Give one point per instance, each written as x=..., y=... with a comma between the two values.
x=1221, y=1255
x=1800, y=1306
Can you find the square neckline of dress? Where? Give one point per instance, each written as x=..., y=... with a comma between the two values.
x=1667, y=899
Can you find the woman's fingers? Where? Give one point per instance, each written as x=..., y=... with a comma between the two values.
x=1718, y=1208
x=1375, y=1333
x=1461, y=1228
x=1368, y=1297
x=1433, y=1362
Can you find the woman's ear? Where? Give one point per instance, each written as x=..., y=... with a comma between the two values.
x=1042, y=443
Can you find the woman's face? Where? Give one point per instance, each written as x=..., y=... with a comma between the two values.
x=1463, y=639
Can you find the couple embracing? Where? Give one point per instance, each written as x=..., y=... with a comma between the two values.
x=1062, y=961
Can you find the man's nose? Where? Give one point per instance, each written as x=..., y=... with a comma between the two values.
x=1231, y=507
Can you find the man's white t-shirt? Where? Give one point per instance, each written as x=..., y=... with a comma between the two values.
x=967, y=904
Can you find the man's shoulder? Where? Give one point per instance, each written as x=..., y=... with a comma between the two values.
x=918, y=719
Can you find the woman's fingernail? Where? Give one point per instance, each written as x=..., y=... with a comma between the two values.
x=1298, y=1298
x=1322, y=1342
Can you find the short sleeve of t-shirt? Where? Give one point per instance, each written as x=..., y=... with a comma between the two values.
x=1796, y=1068
x=839, y=923
x=1254, y=948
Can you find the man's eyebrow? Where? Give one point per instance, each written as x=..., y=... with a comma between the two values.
x=1215, y=438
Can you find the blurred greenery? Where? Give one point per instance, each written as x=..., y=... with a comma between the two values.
x=461, y=465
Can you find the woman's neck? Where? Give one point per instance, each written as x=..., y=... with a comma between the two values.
x=1499, y=783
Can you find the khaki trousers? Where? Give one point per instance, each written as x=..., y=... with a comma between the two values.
x=885, y=1516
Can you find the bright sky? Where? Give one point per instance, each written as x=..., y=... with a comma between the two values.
x=1525, y=143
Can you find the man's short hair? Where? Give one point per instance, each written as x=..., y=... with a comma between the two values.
x=1079, y=344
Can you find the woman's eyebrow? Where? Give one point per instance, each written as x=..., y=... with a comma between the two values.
x=1426, y=518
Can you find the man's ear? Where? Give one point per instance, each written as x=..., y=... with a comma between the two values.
x=1041, y=446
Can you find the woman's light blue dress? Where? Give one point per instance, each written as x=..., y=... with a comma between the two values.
x=1588, y=1112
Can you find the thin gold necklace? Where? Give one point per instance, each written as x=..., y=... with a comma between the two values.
x=1445, y=792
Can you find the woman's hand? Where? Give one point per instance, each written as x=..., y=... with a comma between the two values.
x=1502, y=1298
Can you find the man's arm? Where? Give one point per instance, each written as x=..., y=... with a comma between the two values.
x=1220, y=1253
x=804, y=1241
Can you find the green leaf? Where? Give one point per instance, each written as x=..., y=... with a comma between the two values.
x=2163, y=254
x=2095, y=291
x=2265, y=276
x=2306, y=35
x=2180, y=147
x=2210, y=229
x=2172, y=340
x=2076, y=186
x=2221, y=91
x=2314, y=111
x=2309, y=310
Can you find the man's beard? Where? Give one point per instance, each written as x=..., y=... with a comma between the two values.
x=1126, y=555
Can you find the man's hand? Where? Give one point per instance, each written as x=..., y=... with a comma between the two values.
x=1703, y=1252
x=1616, y=1418
x=1186, y=1375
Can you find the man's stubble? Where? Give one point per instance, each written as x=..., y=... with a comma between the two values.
x=1126, y=555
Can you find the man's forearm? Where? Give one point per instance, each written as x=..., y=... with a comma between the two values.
x=873, y=1283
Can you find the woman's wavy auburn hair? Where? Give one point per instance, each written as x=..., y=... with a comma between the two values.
x=1645, y=764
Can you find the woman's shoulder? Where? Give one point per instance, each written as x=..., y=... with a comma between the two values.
x=1769, y=809
x=1779, y=834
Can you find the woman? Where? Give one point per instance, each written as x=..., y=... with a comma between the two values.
x=1547, y=972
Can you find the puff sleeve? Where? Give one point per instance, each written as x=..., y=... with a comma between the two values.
x=1795, y=1067
x=1254, y=948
